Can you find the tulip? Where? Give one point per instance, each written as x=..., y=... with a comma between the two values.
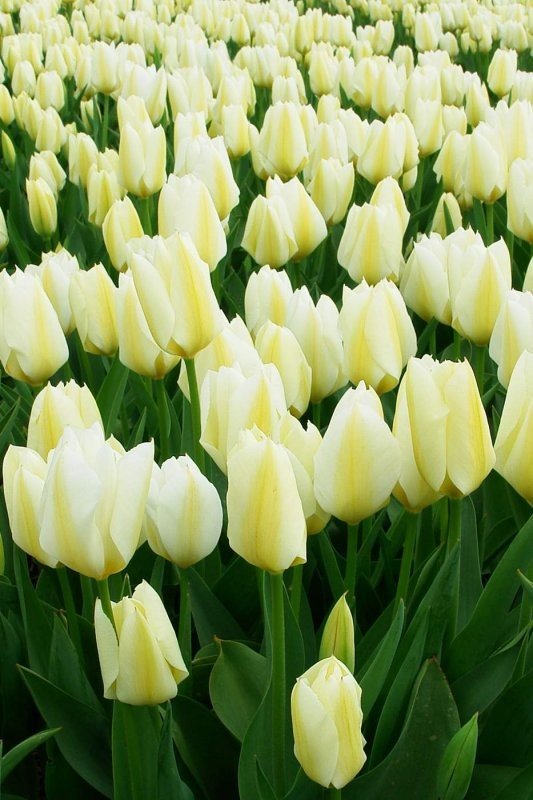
x=371, y=245
x=449, y=165
x=279, y=346
x=331, y=189
x=104, y=68
x=24, y=472
x=450, y=436
x=148, y=83
x=174, y=288
x=32, y=343
x=54, y=408
x=338, y=636
x=50, y=90
x=189, y=90
x=512, y=333
x=269, y=236
x=502, y=71
x=139, y=655
x=358, y=463
x=453, y=119
x=120, y=224
x=485, y=164
x=308, y=226
x=4, y=235
x=514, y=439
x=186, y=206
x=142, y=153
x=92, y=300
x=103, y=190
x=45, y=165
x=266, y=522
x=378, y=335
x=388, y=192
x=520, y=199
x=428, y=125
x=208, y=160
x=55, y=272
x=51, y=133
x=383, y=152
x=326, y=722
x=235, y=130
x=82, y=155
x=424, y=280
x=267, y=297
x=440, y=222
x=93, y=502
x=282, y=145
x=316, y=329
x=42, y=207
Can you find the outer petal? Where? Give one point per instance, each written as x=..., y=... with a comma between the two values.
x=316, y=741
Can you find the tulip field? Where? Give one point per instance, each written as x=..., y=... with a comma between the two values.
x=266, y=400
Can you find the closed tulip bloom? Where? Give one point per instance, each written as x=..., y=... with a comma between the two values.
x=331, y=189
x=428, y=125
x=24, y=472
x=92, y=300
x=326, y=723
x=453, y=119
x=520, y=199
x=267, y=297
x=142, y=152
x=316, y=329
x=120, y=225
x=378, y=335
x=42, y=207
x=137, y=349
x=140, y=658
x=183, y=517
x=278, y=345
x=82, y=155
x=93, y=502
x=383, y=152
x=306, y=220
x=235, y=130
x=502, y=71
x=50, y=90
x=479, y=278
x=208, y=159
x=23, y=79
x=439, y=225
x=282, y=144
x=388, y=88
x=4, y=235
x=266, y=522
x=231, y=401
x=338, y=636
x=371, y=245
x=55, y=273
x=358, y=462
x=449, y=431
x=174, y=288
x=424, y=280
x=51, y=133
x=54, y=408
x=427, y=31
x=186, y=206
x=449, y=165
x=485, y=164
x=148, y=83
x=514, y=441
x=269, y=236
x=32, y=343
x=104, y=67
x=45, y=165
x=388, y=192
x=512, y=333
x=103, y=190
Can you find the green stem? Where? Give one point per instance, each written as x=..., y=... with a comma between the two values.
x=331, y=566
x=105, y=599
x=105, y=122
x=454, y=523
x=420, y=183
x=70, y=608
x=457, y=342
x=87, y=594
x=296, y=589
x=351, y=560
x=145, y=214
x=479, y=368
x=164, y=419
x=489, y=217
x=195, y=412
x=334, y=794
x=317, y=409
x=411, y=530
x=184, y=625
x=278, y=682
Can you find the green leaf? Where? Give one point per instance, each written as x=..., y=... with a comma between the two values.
x=10, y=760
x=37, y=618
x=478, y=639
x=431, y=722
x=111, y=392
x=507, y=734
x=210, y=617
x=373, y=676
x=84, y=736
x=488, y=780
x=237, y=685
x=135, y=746
x=169, y=783
x=65, y=668
x=457, y=763
x=520, y=788
x=470, y=586
x=60, y=779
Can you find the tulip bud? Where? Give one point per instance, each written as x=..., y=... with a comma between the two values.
x=208, y=160
x=316, y=329
x=174, y=288
x=306, y=220
x=7, y=113
x=282, y=144
x=502, y=71
x=92, y=300
x=103, y=190
x=50, y=90
x=266, y=522
x=4, y=235
x=120, y=225
x=519, y=199
x=30, y=353
x=338, y=636
x=183, y=517
x=93, y=502
x=427, y=31
x=371, y=245
x=326, y=722
x=485, y=164
x=358, y=462
x=23, y=79
x=445, y=222
x=54, y=408
x=457, y=763
x=278, y=345
x=45, y=165
x=424, y=281
x=378, y=335
x=331, y=189
x=383, y=152
x=142, y=153
x=512, y=333
x=104, y=67
x=140, y=658
x=269, y=236
x=42, y=207
x=450, y=436
x=148, y=83
x=186, y=206
x=8, y=150
x=51, y=133
x=55, y=273
x=428, y=125
x=24, y=472
x=388, y=192
x=267, y=297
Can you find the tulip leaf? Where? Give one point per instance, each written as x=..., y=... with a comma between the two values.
x=169, y=783
x=60, y=779
x=489, y=779
x=111, y=392
x=478, y=639
x=457, y=763
x=237, y=685
x=210, y=617
x=135, y=746
x=431, y=722
x=373, y=676
x=470, y=586
x=35, y=615
x=65, y=669
x=519, y=788
x=507, y=734
x=84, y=736
x=10, y=760
x=208, y=750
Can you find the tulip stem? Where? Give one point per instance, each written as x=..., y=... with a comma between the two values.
x=317, y=415
x=454, y=523
x=164, y=419
x=479, y=368
x=184, y=624
x=195, y=412
x=334, y=793
x=277, y=590
x=296, y=589
x=351, y=560
x=105, y=121
x=105, y=599
x=70, y=609
x=489, y=217
x=411, y=530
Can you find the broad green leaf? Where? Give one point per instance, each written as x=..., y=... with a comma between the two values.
x=237, y=685
x=169, y=783
x=11, y=759
x=373, y=676
x=37, y=618
x=135, y=747
x=520, y=788
x=60, y=779
x=470, y=586
x=65, y=669
x=210, y=616
x=84, y=736
x=111, y=392
x=488, y=780
x=457, y=763
x=507, y=734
